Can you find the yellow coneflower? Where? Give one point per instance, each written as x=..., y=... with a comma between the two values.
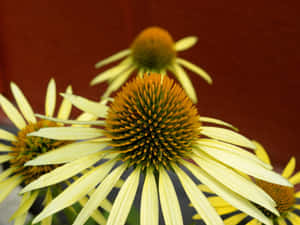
x=22, y=148
x=154, y=129
x=153, y=50
x=287, y=201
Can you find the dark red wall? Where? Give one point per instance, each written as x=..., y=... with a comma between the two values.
x=251, y=50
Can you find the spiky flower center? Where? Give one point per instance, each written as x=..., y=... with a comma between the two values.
x=153, y=49
x=152, y=122
x=27, y=148
x=282, y=195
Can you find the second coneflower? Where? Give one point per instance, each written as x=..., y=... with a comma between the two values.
x=153, y=128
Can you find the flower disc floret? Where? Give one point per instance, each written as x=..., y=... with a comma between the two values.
x=152, y=122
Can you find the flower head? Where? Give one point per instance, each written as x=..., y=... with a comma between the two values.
x=152, y=128
x=287, y=201
x=153, y=50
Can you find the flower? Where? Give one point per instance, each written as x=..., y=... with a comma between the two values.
x=153, y=129
x=153, y=50
x=288, y=202
x=22, y=148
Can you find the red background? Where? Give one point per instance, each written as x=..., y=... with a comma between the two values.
x=251, y=51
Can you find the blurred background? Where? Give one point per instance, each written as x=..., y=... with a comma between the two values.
x=251, y=50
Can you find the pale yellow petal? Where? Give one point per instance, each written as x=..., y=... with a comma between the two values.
x=68, y=133
x=216, y=121
x=65, y=107
x=99, y=195
x=7, y=173
x=50, y=98
x=67, y=153
x=185, y=43
x=21, y=220
x=8, y=185
x=118, y=81
x=227, y=194
x=63, y=172
x=205, y=188
x=113, y=58
x=226, y=135
x=235, y=219
x=5, y=148
x=290, y=168
x=295, y=179
x=114, y=72
x=76, y=190
x=294, y=218
x=12, y=113
x=98, y=109
x=149, y=201
x=84, y=117
x=5, y=158
x=198, y=199
x=124, y=200
x=23, y=103
x=168, y=199
x=261, y=152
x=185, y=81
x=280, y=221
x=5, y=135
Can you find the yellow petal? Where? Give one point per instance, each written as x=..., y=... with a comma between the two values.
x=12, y=113
x=21, y=219
x=235, y=219
x=204, y=188
x=195, y=69
x=85, y=117
x=99, y=195
x=114, y=72
x=216, y=121
x=227, y=136
x=76, y=190
x=198, y=199
x=113, y=58
x=168, y=200
x=5, y=135
x=67, y=153
x=295, y=179
x=290, y=168
x=47, y=200
x=261, y=152
x=227, y=194
x=23, y=104
x=8, y=185
x=68, y=133
x=118, y=81
x=280, y=221
x=50, y=98
x=124, y=200
x=185, y=81
x=149, y=202
x=65, y=107
x=63, y=172
x=5, y=158
x=7, y=173
x=98, y=109
x=5, y=148
x=294, y=218
x=185, y=43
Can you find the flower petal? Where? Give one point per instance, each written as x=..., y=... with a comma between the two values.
x=294, y=218
x=113, y=58
x=295, y=179
x=235, y=219
x=23, y=103
x=12, y=113
x=21, y=219
x=8, y=185
x=7, y=173
x=5, y=158
x=261, y=152
x=47, y=200
x=5, y=135
x=198, y=199
x=124, y=200
x=65, y=107
x=290, y=168
x=5, y=148
x=185, y=43
x=217, y=121
x=227, y=136
x=50, y=98
x=168, y=200
x=149, y=202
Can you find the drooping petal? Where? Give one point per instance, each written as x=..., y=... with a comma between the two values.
x=227, y=136
x=47, y=200
x=85, y=117
x=217, y=121
x=5, y=158
x=124, y=200
x=7, y=173
x=168, y=200
x=290, y=168
x=12, y=113
x=64, y=172
x=294, y=218
x=195, y=69
x=65, y=107
x=113, y=72
x=185, y=43
x=21, y=219
x=280, y=221
x=68, y=133
x=198, y=199
x=8, y=185
x=50, y=98
x=185, y=81
x=5, y=148
x=261, y=152
x=295, y=179
x=113, y=58
x=149, y=201
x=99, y=195
x=76, y=190
x=68, y=153
x=5, y=135
x=23, y=103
